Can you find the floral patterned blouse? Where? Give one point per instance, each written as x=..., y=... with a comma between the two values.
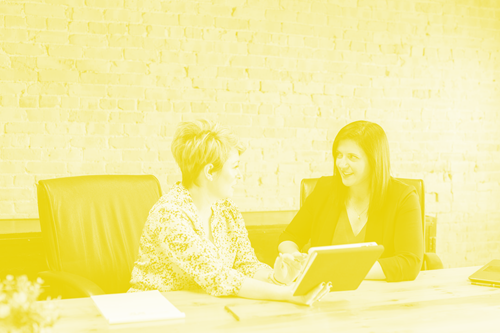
x=175, y=253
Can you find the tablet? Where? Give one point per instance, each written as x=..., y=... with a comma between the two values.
x=488, y=275
x=345, y=266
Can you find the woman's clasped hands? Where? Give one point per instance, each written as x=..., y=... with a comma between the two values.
x=287, y=268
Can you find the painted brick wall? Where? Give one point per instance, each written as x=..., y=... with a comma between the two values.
x=98, y=87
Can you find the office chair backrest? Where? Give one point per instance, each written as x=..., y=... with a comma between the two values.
x=92, y=225
x=307, y=185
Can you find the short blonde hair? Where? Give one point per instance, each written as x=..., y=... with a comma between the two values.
x=201, y=142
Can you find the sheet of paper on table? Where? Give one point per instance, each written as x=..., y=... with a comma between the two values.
x=136, y=307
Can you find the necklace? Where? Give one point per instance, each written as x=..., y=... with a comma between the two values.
x=359, y=214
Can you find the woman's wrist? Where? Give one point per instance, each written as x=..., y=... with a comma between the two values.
x=285, y=293
x=273, y=279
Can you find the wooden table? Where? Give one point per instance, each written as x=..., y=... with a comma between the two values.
x=437, y=301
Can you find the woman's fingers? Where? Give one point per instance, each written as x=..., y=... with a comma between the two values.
x=294, y=256
x=292, y=261
x=288, y=266
x=325, y=291
x=284, y=271
x=294, y=265
x=300, y=256
x=313, y=295
x=319, y=292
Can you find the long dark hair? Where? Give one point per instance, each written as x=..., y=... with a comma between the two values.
x=372, y=139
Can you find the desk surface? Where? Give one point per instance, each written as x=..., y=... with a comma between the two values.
x=437, y=301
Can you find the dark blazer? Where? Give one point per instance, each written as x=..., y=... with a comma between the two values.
x=398, y=226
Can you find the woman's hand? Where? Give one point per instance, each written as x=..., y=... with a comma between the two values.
x=257, y=289
x=288, y=266
x=314, y=295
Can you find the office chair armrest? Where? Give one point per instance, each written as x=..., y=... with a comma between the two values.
x=432, y=261
x=69, y=285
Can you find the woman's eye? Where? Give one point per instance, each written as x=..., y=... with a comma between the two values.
x=353, y=157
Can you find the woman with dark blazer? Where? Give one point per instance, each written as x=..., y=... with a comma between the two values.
x=361, y=202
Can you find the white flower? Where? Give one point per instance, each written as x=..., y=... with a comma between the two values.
x=20, y=298
x=4, y=311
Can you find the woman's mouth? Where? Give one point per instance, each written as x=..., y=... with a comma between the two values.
x=345, y=174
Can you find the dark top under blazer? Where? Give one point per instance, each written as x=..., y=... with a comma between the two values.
x=398, y=226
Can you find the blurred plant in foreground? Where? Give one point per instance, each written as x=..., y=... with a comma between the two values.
x=19, y=310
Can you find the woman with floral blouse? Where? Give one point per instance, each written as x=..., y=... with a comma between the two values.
x=195, y=237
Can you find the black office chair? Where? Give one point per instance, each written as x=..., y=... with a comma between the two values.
x=431, y=260
x=91, y=226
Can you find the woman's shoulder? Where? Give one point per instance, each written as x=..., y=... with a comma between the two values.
x=228, y=211
x=172, y=209
x=177, y=198
x=400, y=189
x=230, y=207
x=317, y=190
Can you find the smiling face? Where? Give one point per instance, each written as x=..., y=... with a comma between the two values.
x=352, y=164
x=224, y=180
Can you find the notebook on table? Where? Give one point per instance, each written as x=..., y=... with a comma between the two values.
x=488, y=275
x=136, y=307
x=345, y=266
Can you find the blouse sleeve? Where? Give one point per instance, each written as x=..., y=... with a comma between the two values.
x=193, y=255
x=408, y=242
x=246, y=261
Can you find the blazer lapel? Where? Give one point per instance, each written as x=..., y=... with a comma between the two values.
x=375, y=228
x=327, y=221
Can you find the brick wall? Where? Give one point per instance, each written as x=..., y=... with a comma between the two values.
x=98, y=87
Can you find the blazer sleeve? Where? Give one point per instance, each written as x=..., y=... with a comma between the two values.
x=299, y=230
x=408, y=242
x=194, y=255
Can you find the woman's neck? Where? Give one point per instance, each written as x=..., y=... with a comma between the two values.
x=358, y=194
x=202, y=199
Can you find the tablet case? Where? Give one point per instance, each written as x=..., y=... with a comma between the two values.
x=345, y=267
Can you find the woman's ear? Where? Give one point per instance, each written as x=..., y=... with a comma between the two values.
x=208, y=171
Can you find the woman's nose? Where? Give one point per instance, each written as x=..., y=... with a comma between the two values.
x=341, y=162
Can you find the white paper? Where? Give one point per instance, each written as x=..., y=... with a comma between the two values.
x=137, y=306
